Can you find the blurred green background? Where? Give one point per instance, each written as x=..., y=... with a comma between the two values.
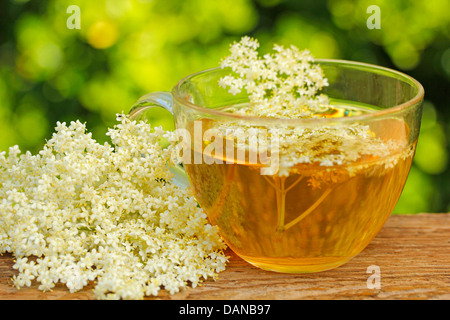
x=126, y=48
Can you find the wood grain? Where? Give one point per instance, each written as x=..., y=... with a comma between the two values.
x=412, y=252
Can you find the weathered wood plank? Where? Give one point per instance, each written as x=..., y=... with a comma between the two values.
x=412, y=252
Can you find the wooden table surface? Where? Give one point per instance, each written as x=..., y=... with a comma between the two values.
x=411, y=251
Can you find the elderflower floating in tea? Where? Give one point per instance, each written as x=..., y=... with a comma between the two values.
x=288, y=84
x=80, y=212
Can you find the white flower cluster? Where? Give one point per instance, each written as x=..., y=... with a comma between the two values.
x=284, y=84
x=287, y=84
x=80, y=212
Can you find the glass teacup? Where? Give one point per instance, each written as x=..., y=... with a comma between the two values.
x=297, y=214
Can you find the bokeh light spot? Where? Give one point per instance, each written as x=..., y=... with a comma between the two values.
x=445, y=61
x=102, y=35
x=49, y=56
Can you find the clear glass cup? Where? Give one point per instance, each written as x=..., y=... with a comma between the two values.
x=309, y=217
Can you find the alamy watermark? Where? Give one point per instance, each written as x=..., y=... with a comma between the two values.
x=74, y=20
x=374, y=20
x=374, y=280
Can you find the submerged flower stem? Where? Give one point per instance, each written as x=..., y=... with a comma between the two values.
x=281, y=192
x=270, y=182
x=308, y=211
x=281, y=200
x=294, y=184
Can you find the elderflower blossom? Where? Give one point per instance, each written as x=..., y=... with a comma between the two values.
x=80, y=211
x=287, y=84
x=284, y=84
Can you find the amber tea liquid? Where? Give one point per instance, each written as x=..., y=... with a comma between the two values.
x=314, y=219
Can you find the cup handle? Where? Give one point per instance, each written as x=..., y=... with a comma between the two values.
x=149, y=101
x=138, y=112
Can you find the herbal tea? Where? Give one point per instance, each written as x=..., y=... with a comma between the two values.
x=299, y=162
x=308, y=217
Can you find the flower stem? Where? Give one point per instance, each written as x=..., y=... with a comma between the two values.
x=281, y=201
x=308, y=211
x=281, y=191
